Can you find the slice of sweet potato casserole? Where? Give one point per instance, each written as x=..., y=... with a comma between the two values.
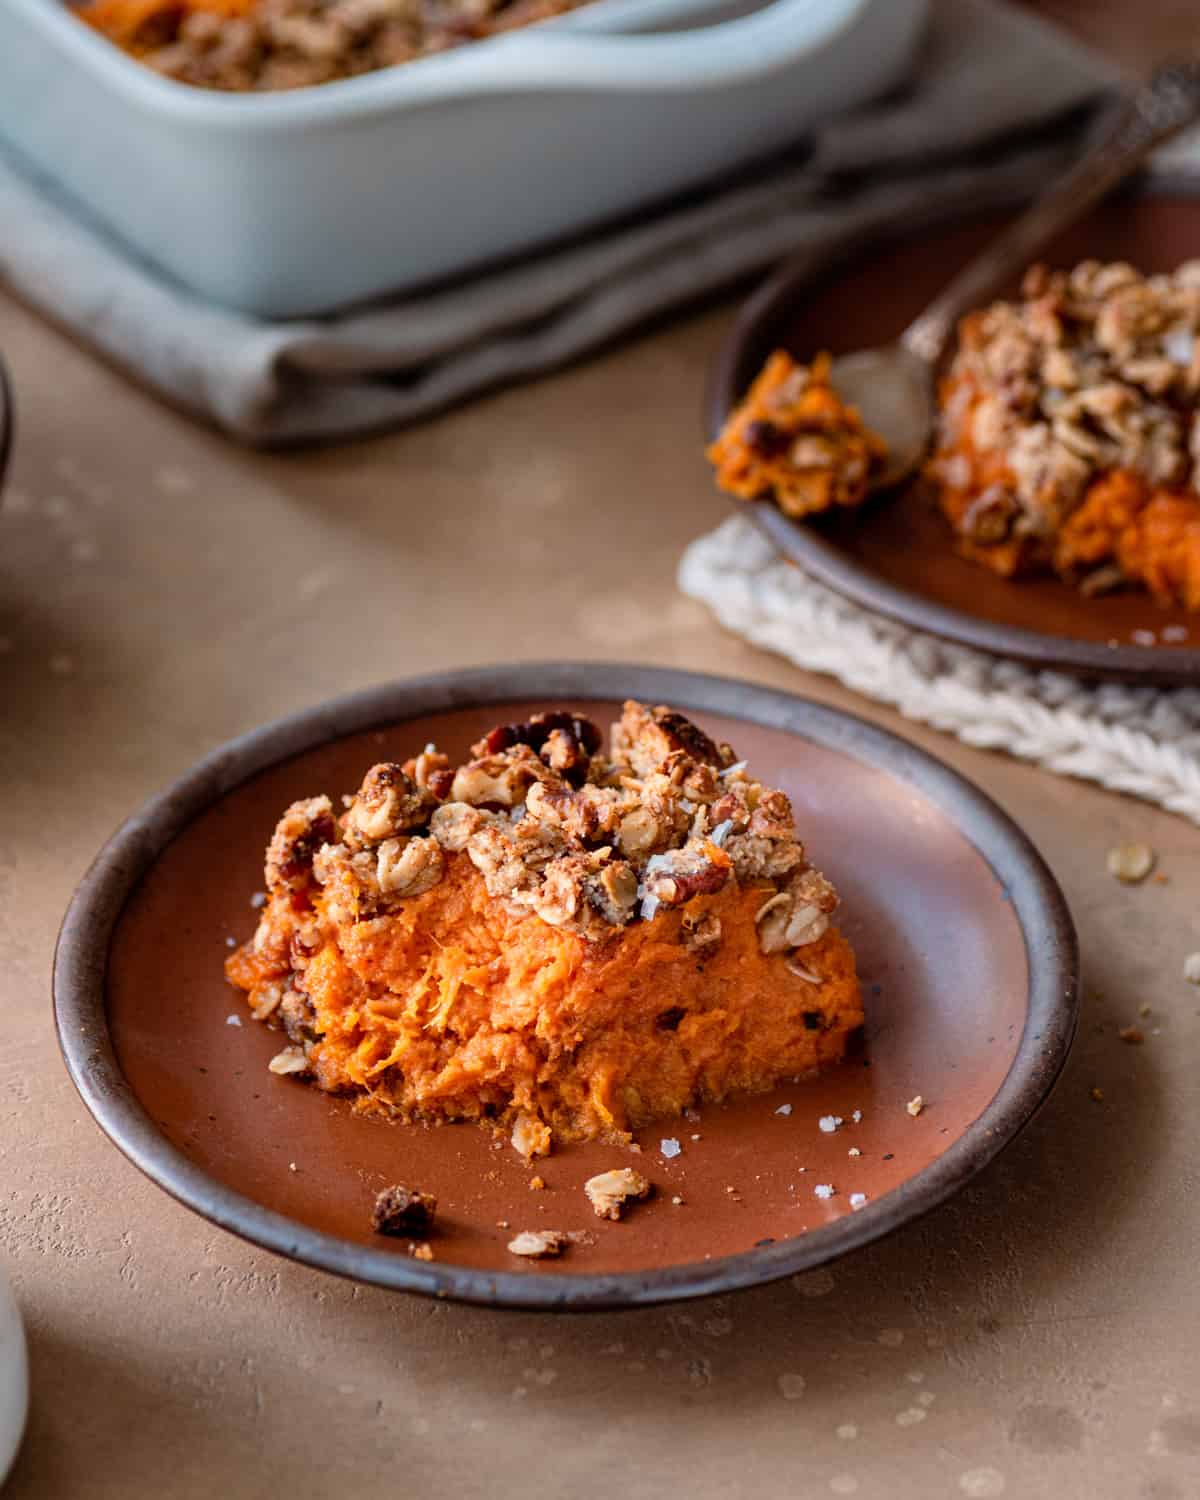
x=552, y=940
x=1069, y=435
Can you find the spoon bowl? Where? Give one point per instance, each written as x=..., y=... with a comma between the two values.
x=892, y=387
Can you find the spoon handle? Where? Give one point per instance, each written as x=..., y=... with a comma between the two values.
x=1159, y=109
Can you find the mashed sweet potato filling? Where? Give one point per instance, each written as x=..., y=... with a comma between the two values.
x=478, y=995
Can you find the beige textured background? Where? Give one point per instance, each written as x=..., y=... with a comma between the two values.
x=161, y=591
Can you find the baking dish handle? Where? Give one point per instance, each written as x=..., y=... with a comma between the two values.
x=732, y=52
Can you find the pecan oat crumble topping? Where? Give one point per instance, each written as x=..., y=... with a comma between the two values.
x=1069, y=433
x=243, y=46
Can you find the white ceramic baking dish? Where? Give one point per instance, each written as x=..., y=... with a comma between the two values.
x=293, y=204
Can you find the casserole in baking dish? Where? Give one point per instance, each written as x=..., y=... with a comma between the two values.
x=292, y=204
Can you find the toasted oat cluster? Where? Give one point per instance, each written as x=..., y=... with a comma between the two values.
x=795, y=441
x=550, y=938
x=244, y=46
x=1069, y=433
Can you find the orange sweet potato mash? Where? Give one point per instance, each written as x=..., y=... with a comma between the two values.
x=712, y=969
x=455, y=1008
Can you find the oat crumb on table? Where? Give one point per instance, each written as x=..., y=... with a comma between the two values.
x=915, y=1106
x=1134, y=1035
x=422, y=1251
x=1131, y=863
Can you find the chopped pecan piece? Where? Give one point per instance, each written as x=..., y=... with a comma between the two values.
x=680, y=874
x=499, y=780
x=388, y=803
x=403, y=1211
x=302, y=830
x=645, y=737
x=408, y=867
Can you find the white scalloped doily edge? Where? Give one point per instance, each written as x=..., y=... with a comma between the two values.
x=1142, y=741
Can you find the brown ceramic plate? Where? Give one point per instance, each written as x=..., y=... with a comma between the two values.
x=964, y=942
x=896, y=556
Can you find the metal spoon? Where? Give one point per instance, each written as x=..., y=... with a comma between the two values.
x=893, y=386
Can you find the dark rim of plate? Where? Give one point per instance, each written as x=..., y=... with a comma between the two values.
x=81, y=959
x=736, y=363
x=7, y=422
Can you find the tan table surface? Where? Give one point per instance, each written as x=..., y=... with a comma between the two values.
x=160, y=591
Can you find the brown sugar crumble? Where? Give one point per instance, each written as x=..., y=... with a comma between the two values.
x=538, y=1184
x=1097, y=1096
x=400, y=1210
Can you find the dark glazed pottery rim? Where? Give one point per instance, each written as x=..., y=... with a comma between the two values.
x=81, y=962
x=7, y=423
x=824, y=560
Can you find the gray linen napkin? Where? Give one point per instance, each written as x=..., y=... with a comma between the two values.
x=996, y=107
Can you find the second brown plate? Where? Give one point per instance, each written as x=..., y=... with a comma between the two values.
x=897, y=556
x=964, y=944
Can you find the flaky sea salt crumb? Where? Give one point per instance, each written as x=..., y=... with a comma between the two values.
x=829, y=1123
x=857, y=1116
x=258, y=900
x=858, y=1200
x=234, y=1020
x=231, y=942
x=824, y=1190
x=915, y=1106
x=670, y=1147
x=854, y=1151
x=784, y=1109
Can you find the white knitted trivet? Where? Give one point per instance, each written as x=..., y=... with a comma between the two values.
x=1140, y=740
